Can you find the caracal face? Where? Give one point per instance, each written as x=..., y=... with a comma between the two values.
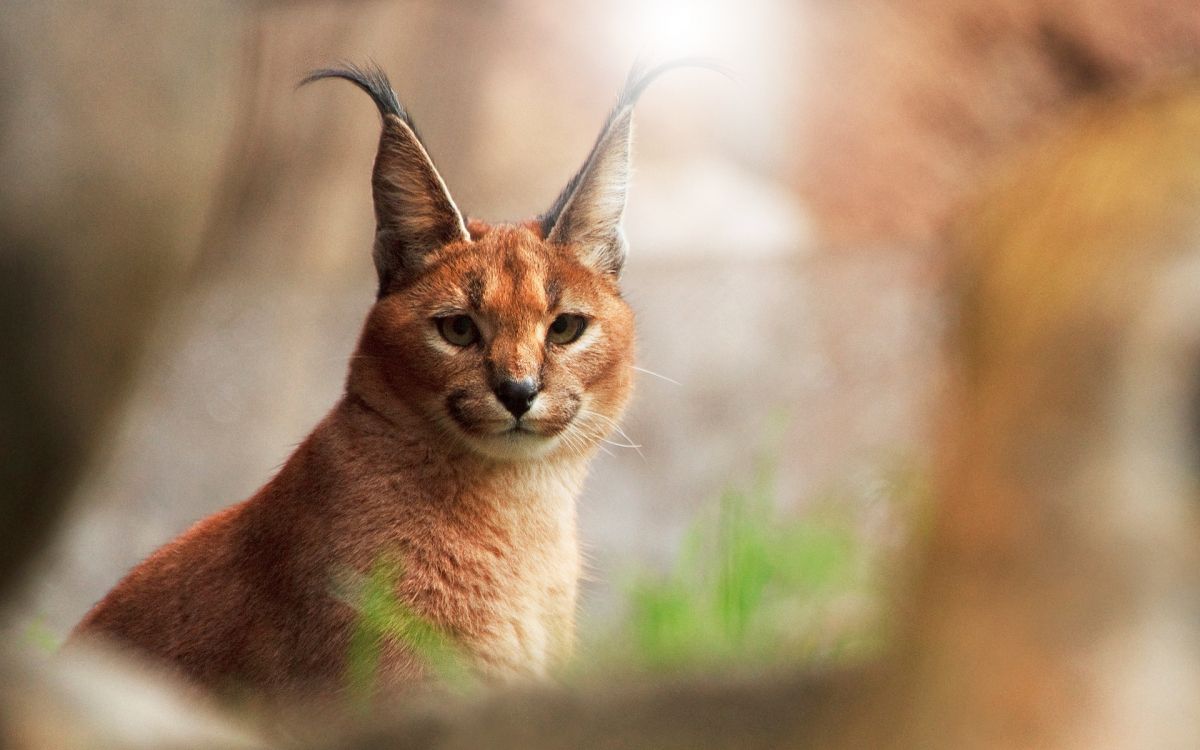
x=507, y=344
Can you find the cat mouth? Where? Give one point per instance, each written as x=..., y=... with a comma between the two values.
x=515, y=440
x=528, y=427
x=509, y=437
x=510, y=429
x=520, y=429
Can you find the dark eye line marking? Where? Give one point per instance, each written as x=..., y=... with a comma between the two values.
x=572, y=313
x=553, y=293
x=475, y=292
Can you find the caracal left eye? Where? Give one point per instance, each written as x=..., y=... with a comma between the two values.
x=566, y=328
x=459, y=330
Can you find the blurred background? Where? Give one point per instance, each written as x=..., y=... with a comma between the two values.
x=785, y=231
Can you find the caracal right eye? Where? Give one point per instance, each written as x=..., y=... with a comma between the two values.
x=459, y=330
x=566, y=328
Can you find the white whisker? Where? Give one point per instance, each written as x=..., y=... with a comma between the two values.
x=636, y=448
x=617, y=428
x=655, y=374
x=577, y=439
x=619, y=445
x=629, y=442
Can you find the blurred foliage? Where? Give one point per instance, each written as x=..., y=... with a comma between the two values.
x=40, y=638
x=385, y=622
x=756, y=585
x=744, y=587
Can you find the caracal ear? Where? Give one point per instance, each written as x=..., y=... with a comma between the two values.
x=587, y=213
x=414, y=213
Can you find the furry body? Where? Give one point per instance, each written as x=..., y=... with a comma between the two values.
x=493, y=362
x=247, y=596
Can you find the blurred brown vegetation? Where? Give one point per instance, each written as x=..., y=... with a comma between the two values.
x=180, y=227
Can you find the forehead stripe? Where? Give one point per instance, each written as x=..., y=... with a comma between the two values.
x=475, y=291
x=553, y=293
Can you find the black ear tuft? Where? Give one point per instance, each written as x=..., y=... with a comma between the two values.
x=414, y=212
x=372, y=80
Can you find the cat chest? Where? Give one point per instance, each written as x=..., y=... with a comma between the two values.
x=504, y=587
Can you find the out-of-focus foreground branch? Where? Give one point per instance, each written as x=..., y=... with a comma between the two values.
x=111, y=157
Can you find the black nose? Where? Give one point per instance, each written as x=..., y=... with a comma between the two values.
x=517, y=395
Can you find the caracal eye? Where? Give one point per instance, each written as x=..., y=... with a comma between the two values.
x=459, y=330
x=566, y=328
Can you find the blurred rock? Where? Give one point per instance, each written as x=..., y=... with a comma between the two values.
x=93, y=700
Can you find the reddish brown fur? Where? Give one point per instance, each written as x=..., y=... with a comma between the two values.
x=484, y=524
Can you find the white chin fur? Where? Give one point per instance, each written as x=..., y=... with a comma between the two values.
x=513, y=446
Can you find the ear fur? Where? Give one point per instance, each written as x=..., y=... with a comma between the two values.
x=414, y=213
x=587, y=213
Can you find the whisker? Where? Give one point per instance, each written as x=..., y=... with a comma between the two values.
x=600, y=443
x=577, y=439
x=655, y=374
x=617, y=428
x=636, y=448
x=571, y=439
x=629, y=442
x=616, y=443
x=600, y=436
